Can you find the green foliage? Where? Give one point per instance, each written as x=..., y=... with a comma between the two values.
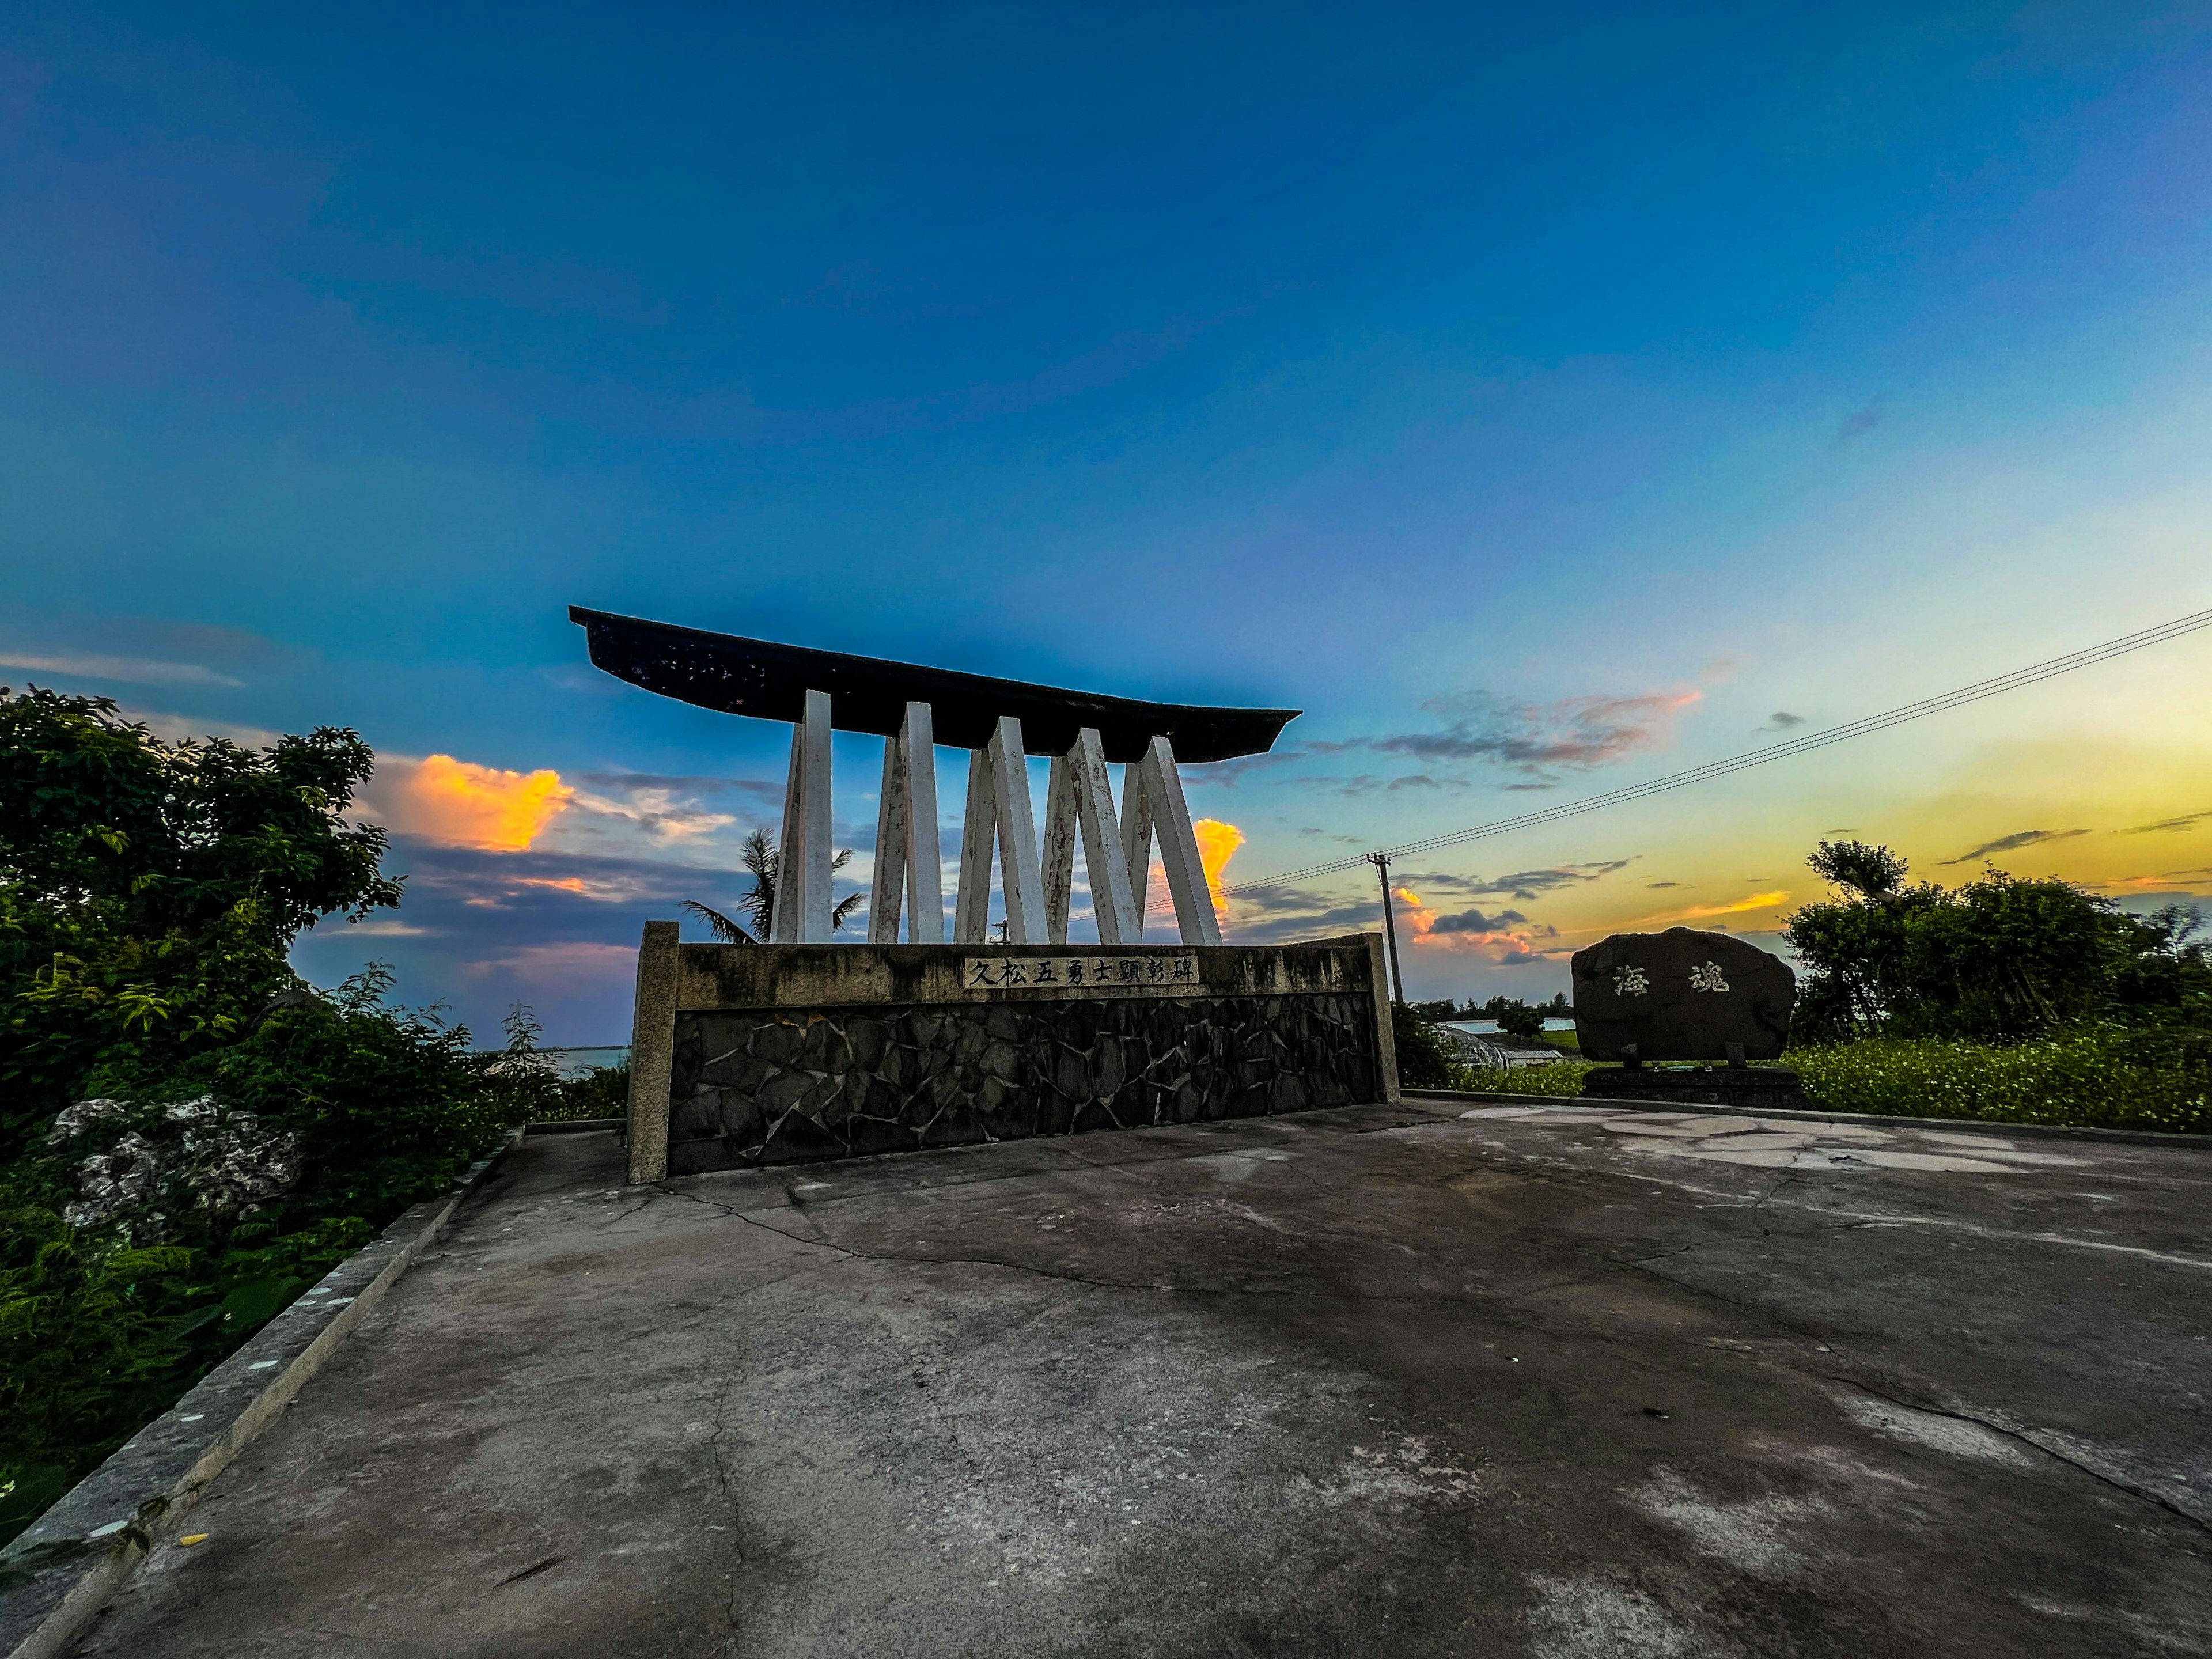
x=149, y=891
x=603, y=1091
x=2102, y=1076
x=1445, y=1008
x=1869, y=871
x=2001, y=959
x=1517, y=1018
x=1425, y=1060
x=1564, y=1079
x=97, y=1337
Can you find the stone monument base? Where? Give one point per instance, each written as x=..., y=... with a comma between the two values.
x=1738, y=1088
x=747, y=1055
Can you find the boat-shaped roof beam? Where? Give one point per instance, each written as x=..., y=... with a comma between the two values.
x=769, y=682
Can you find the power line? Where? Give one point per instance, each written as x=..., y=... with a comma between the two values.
x=1858, y=728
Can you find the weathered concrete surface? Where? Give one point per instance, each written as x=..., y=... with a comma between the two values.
x=1380, y=1380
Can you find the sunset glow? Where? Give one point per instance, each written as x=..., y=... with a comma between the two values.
x=460, y=804
x=1216, y=844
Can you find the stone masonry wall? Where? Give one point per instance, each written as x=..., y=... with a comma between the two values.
x=755, y=1086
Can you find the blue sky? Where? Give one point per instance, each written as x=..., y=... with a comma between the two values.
x=1593, y=386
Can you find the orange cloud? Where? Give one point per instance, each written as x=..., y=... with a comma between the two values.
x=465, y=804
x=1756, y=902
x=1216, y=844
x=1501, y=941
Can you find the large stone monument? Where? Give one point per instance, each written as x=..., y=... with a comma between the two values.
x=1642, y=999
x=798, y=1049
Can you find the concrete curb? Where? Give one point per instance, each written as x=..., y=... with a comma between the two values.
x=573, y=1126
x=1982, y=1125
x=73, y=1559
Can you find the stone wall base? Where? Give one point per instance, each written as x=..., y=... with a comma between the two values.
x=1738, y=1088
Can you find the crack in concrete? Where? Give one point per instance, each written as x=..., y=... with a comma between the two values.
x=2026, y=1438
x=1785, y=1178
x=736, y=1521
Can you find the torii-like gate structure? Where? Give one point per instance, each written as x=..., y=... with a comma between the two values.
x=1001, y=723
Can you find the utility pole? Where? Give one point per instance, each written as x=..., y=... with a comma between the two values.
x=1381, y=863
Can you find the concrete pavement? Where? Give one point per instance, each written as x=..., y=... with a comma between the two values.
x=1380, y=1380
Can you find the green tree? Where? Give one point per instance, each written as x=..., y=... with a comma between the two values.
x=1517, y=1019
x=2002, y=957
x=149, y=891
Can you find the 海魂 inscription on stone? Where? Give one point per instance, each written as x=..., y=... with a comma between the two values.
x=1160, y=970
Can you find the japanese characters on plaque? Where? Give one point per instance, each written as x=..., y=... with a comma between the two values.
x=1634, y=982
x=1161, y=970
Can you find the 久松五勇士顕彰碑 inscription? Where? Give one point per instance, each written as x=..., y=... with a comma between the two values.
x=1156, y=971
x=1681, y=994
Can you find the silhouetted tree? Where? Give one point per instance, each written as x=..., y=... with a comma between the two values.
x=763, y=861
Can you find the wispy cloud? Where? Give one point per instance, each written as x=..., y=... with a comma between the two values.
x=658, y=813
x=128, y=670
x=620, y=888
x=1781, y=721
x=762, y=791
x=1858, y=423
x=1581, y=733
x=2187, y=821
x=569, y=965
x=2013, y=842
x=1522, y=884
x=1576, y=733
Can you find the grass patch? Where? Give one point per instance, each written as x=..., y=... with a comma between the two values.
x=2098, y=1078
x=1564, y=1079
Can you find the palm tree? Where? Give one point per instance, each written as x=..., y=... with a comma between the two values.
x=763, y=860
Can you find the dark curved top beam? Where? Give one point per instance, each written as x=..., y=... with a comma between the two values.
x=769, y=682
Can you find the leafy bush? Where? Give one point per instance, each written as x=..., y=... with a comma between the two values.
x=2104, y=1077
x=603, y=1091
x=103, y=1324
x=1425, y=1057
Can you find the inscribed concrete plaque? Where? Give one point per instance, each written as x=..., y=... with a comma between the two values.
x=1156, y=971
x=1681, y=994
